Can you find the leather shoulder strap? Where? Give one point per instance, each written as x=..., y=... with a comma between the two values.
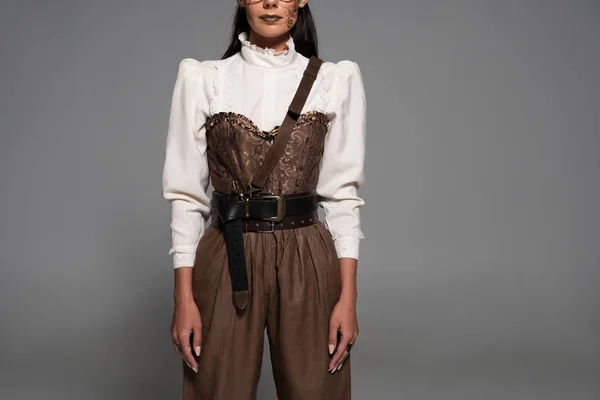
x=285, y=131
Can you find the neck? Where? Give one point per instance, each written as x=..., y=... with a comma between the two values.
x=276, y=43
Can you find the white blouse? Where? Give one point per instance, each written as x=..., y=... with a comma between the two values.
x=260, y=84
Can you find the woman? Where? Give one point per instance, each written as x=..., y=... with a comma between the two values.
x=266, y=260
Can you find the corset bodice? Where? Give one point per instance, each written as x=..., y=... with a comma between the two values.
x=237, y=148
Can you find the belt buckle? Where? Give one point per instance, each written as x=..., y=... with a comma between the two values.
x=270, y=230
x=280, y=206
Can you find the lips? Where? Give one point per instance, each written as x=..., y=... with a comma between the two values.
x=270, y=17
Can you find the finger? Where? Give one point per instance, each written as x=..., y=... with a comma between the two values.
x=189, y=358
x=174, y=338
x=186, y=354
x=347, y=352
x=344, y=357
x=333, y=363
x=176, y=347
x=180, y=353
x=338, y=364
x=173, y=328
x=333, y=337
x=197, y=340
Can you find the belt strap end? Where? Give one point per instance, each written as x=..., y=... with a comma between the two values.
x=240, y=299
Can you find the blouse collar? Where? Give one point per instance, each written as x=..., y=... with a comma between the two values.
x=266, y=57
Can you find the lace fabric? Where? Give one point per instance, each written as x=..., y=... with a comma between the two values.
x=243, y=37
x=317, y=99
x=346, y=247
x=222, y=99
x=341, y=233
x=346, y=242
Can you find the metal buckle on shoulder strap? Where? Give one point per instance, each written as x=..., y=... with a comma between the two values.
x=246, y=199
x=245, y=196
x=252, y=189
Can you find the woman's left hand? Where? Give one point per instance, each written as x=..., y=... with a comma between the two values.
x=343, y=319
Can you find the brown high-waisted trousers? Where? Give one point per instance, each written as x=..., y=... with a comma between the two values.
x=293, y=276
x=294, y=284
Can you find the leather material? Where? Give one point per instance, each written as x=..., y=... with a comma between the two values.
x=234, y=239
x=227, y=207
x=288, y=222
x=230, y=215
x=241, y=298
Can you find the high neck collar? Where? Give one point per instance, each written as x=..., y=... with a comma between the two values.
x=266, y=57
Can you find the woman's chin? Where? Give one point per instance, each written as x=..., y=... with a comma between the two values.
x=270, y=31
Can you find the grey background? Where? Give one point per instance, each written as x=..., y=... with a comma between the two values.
x=479, y=277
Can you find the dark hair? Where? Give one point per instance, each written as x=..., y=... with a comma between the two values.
x=303, y=33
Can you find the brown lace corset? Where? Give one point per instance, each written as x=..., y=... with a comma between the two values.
x=237, y=148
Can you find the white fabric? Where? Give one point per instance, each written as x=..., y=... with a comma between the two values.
x=260, y=84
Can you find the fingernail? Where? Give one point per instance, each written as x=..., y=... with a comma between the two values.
x=338, y=368
x=331, y=348
x=198, y=350
x=192, y=368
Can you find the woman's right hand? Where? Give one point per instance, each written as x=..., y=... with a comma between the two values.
x=186, y=319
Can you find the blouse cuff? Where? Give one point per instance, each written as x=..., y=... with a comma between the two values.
x=347, y=243
x=184, y=255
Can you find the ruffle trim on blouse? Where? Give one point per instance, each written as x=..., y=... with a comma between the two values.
x=223, y=99
x=250, y=126
x=243, y=37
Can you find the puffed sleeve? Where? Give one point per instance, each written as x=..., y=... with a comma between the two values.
x=342, y=168
x=185, y=175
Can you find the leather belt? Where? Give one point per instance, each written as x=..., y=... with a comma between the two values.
x=261, y=212
x=253, y=203
x=288, y=222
